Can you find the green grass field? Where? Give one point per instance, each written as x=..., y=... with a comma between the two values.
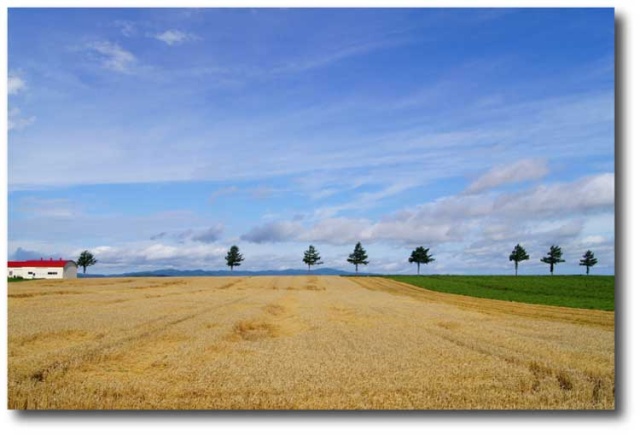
x=592, y=292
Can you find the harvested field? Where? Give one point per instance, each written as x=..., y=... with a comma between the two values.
x=298, y=343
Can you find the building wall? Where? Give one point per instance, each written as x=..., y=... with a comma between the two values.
x=70, y=270
x=37, y=272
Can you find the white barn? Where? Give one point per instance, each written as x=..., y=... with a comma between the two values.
x=43, y=269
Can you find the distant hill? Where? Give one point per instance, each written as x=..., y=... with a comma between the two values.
x=200, y=272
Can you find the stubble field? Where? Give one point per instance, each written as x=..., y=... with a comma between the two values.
x=298, y=343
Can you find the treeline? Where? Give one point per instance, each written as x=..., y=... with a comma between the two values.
x=420, y=255
x=359, y=257
x=553, y=257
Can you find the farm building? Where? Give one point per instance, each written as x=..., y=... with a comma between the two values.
x=43, y=269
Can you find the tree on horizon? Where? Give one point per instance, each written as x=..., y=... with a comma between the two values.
x=553, y=257
x=518, y=254
x=85, y=260
x=311, y=257
x=234, y=258
x=358, y=256
x=420, y=255
x=588, y=259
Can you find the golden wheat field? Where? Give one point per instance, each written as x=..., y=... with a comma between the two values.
x=297, y=343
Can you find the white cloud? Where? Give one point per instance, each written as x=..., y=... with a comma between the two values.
x=127, y=28
x=559, y=232
x=415, y=231
x=15, y=84
x=131, y=257
x=593, y=240
x=18, y=122
x=548, y=212
x=588, y=193
x=523, y=170
x=113, y=56
x=339, y=231
x=174, y=37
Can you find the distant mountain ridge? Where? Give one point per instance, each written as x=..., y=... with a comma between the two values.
x=200, y=272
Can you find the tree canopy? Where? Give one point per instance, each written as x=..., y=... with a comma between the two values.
x=311, y=257
x=85, y=260
x=588, y=259
x=358, y=256
x=420, y=255
x=553, y=257
x=517, y=255
x=234, y=258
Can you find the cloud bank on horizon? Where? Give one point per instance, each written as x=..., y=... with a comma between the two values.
x=159, y=137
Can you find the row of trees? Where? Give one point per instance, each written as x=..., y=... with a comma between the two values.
x=420, y=255
x=554, y=256
x=311, y=257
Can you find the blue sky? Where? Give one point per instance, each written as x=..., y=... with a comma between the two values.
x=160, y=137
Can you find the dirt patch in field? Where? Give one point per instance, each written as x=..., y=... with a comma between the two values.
x=253, y=330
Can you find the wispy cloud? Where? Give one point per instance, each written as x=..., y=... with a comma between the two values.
x=15, y=120
x=48, y=208
x=127, y=28
x=203, y=235
x=336, y=54
x=586, y=194
x=112, y=56
x=452, y=218
x=365, y=200
x=372, y=154
x=523, y=170
x=15, y=84
x=223, y=191
x=21, y=254
x=18, y=122
x=175, y=37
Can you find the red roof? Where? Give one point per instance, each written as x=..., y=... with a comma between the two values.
x=39, y=263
